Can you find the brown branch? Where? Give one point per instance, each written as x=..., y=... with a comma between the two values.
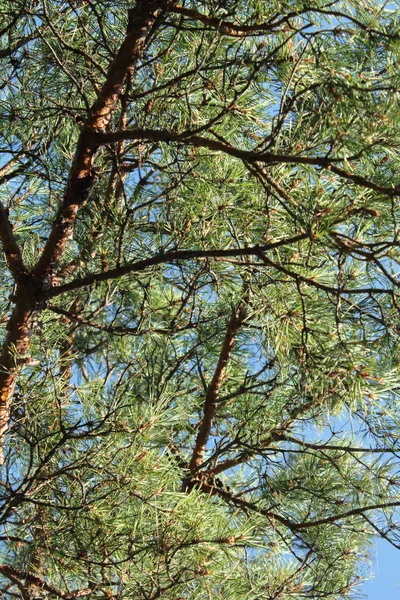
x=212, y=395
x=122, y=330
x=232, y=29
x=240, y=502
x=322, y=286
x=164, y=258
x=10, y=246
x=277, y=434
x=323, y=447
x=245, y=155
x=82, y=174
x=212, y=490
x=345, y=515
x=169, y=257
x=14, y=351
x=22, y=578
x=224, y=27
x=11, y=49
x=235, y=30
x=81, y=178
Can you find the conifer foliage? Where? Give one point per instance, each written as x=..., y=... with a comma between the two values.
x=199, y=308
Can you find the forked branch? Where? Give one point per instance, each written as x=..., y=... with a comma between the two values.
x=31, y=286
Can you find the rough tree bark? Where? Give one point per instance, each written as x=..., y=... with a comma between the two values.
x=30, y=286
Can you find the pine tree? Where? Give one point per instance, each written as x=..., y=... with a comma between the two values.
x=199, y=367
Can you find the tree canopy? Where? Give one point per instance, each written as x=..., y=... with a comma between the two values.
x=199, y=310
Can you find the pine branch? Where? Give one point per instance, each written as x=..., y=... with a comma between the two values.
x=232, y=29
x=276, y=435
x=10, y=246
x=23, y=578
x=251, y=506
x=212, y=396
x=249, y=156
x=235, y=30
x=82, y=174
x=178, y=255
x=165, y=258
x=327, y=446
x=80, y=181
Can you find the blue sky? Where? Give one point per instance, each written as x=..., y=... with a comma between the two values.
x=385, y=565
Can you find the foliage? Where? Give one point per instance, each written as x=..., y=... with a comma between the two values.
x=199, y=311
